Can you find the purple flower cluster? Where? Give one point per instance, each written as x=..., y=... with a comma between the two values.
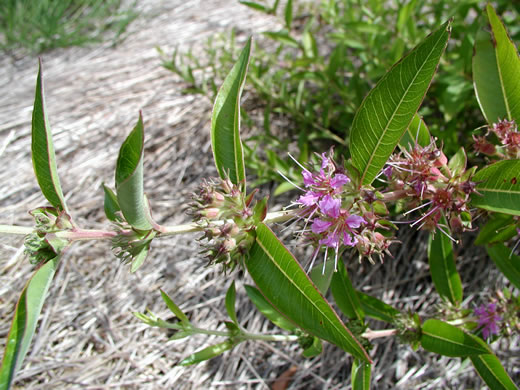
x=488, y=319
x=335, y=210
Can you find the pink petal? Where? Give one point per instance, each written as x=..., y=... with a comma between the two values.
x=319, y=226
x=309, y=198
x=339, y=180
x=308, y=178
x=332, y=240
x=354, y=221
x=349, y=240
x=330, y=206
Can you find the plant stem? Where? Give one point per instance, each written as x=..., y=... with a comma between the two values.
x=243, y=335
x=13, y=229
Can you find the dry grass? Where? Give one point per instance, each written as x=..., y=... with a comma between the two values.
x=88, y=338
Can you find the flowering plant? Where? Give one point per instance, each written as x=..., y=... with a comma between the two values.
x=352, y=205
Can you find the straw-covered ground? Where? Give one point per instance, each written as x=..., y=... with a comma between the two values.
x=87, y=336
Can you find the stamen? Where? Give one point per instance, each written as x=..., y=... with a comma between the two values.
x=296, y=161
x=447, y=235
x=419, y=207
x=286, y=178
x=425, y=215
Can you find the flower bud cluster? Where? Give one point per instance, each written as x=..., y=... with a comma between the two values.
x=500, y=316
x=228, y=218
x=42, y=245
x=423, y=178
x=341, y=214
x=508, y=136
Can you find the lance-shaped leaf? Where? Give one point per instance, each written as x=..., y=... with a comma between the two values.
x=230, y=302
x=43, y=157
x=496, y=72
x=360, y=376
x=268, y=310
x=208, y=353
x=287, y=287
x=110, y=204
x=345, y=295
x=508, y=263
x=499, y=228
x=499, y=187
x=448, y=340
x=388, y=109
x=174, y=308
x=491, y=371
x=24, y=322
x=376, y=308
x=416, y=133
x=129, y=179
x=225, y=122
x=442, y=267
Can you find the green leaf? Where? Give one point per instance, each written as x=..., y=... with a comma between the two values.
x=376, y=308
x=174, y=308
x=442, y=267
x=507, y=262
x=499, y=186
x=388, y=109
x=225, y=122
x=288, y=14
x=416, y=131
x=496, y=72
x=491, y=371
x=268, y=310
x=282, y=37
x=230, y=302
x=345, y=295
x=448, y=340
x=360, y=376
x=129, y=179
x=111, y=205
x=499, y=228
x=458, y=162
x=207, y=353
x=24, y=322
x=43, y=156
x=256, y=6
x=286, y=285
x=321, y=276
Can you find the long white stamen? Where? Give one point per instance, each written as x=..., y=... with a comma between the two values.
x=418, y=207
x=514, y=248
x=425, y=215
x=447, y=235
x=286, y=178
x=297, y=162
x=314, y=255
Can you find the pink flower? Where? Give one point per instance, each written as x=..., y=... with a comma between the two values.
x=354, y=221
x=310, y=198
x=339, y=180
x=330, y=206
x=488, y=319
x=319, y=226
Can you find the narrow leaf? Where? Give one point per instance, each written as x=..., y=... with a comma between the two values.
x=230, y=302
x=496, y=72
x=268, y=310
x=256, y=6
x=207, y=353
x=416, y=133
x=388, y=109
x=499, y=228
x=507, y=262
x=491, y=371
x=499, y=187
x=225, y=122
x=24, y=322
x=360, y=375
x=448, y=340
x=442, y=267
x=321, y=276
x=129, y=179
x=43, y=156
x=288, y=288
x=288, y=14
x=376, y=308
x=174, y=308
x=345, y=295
x=111, y=205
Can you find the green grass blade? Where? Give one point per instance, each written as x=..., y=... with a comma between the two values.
x=491, y=371
x=24, y=322
x=225, y=122
x=448, y=340
x=288, y=288
x=499, y=187
x=129, y=179
x=508, y=263
x=43, y=156
x=230, y=302
x=388, y=109
x=442, y=267
x=496, y=72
